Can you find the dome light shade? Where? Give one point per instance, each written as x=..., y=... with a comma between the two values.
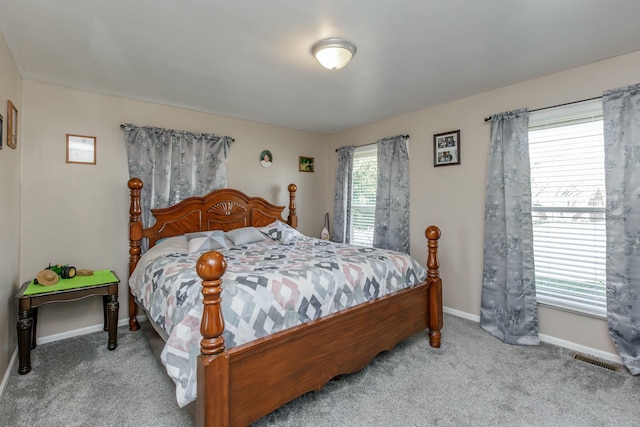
x=333, y=53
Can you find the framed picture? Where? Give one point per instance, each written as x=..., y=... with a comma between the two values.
x=266, y=158
x=12, y=125
x=81, y=149
x=0, y=131
x=305, y=164
x=446, y=148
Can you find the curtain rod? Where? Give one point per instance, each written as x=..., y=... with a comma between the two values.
x=373, y=143
x=486, y=119
x=123, y=126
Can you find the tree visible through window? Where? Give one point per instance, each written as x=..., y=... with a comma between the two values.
x=568, y=198
x=363, y=198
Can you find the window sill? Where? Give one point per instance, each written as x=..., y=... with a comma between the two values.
x=596, y=312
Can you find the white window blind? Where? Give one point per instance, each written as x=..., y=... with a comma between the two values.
x=568, y=198
x=363, y=198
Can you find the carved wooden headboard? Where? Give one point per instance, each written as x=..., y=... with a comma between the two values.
x=223, y=209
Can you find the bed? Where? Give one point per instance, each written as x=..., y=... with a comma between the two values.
x=240, y=384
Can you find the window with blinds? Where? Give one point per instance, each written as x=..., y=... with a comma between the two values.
x=363, y=196
x=568, y=198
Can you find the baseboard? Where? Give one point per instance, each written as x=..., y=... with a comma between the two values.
x=5, y=380
x=78, y=332
x=604, y=355
x=462, y=314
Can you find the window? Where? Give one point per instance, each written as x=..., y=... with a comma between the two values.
x=568, y=198
x=363, y=196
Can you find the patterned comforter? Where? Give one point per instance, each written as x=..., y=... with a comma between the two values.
x=268, y=286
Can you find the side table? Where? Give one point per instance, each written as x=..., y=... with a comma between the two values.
x=31, y=296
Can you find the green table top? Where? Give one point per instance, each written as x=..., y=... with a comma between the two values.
x=100, y=277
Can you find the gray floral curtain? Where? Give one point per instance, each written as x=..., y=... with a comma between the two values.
x=174, y=165
x=621, y=111
x=508, y=307
x=391, y=224
x=342, y=201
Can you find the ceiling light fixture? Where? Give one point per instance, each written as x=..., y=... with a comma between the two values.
x=333, y=53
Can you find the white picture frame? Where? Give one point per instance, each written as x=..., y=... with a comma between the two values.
x=81, y=149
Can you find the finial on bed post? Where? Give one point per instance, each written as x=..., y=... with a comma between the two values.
x=435, y=320
x=293, y=218
x=135, y=238
x=212, y=408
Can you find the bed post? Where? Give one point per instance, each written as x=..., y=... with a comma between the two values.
x=293, y=218
x=435, y=320
x=213, y=361
x=135, y=238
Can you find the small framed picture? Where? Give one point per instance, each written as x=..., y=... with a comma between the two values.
x=12, y=125
x=81, y=149
x=266, y=158
x=305, y=164
x=446, y=148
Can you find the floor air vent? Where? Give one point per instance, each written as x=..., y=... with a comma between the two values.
x=596, y=362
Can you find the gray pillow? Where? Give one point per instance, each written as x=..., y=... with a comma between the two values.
x=241, y=236
x=281, y=232
x=206, y=241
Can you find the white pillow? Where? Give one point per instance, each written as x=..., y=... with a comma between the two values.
x=206, y=241
x=281, y=232
x=166, y=245
x=241, y=236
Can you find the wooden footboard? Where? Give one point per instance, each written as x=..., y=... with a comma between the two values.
x=240, y=385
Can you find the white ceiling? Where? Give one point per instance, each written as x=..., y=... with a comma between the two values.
x=251, y=59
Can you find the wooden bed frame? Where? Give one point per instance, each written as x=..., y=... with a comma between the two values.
x=239, y=385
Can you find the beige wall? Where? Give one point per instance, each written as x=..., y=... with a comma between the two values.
x=9, y=209
x=78, y=214
x=452, y=197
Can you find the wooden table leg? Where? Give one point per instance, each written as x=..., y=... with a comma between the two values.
x=34, y=329
x=104, y=313
x=112, y=320
x=25, y=331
